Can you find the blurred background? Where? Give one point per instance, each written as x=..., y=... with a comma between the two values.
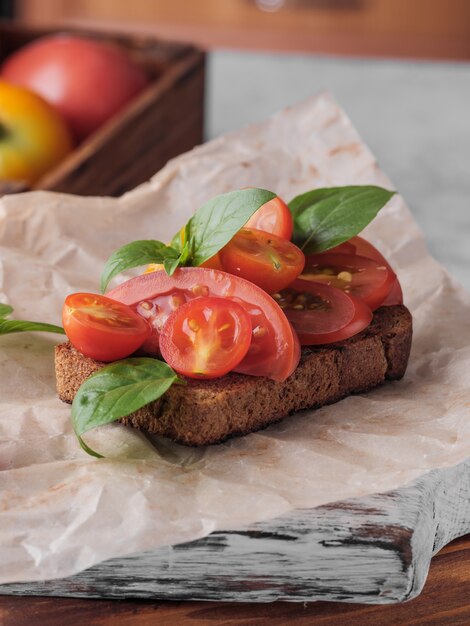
x=400, y=69
x=399, y=28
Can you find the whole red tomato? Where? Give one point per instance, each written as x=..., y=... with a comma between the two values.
x=87, y=81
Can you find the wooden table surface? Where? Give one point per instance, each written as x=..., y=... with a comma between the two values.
x=444, y=601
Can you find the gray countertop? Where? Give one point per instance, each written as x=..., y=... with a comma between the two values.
x=414, y=116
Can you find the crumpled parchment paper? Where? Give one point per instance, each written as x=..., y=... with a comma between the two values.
x=62, y=511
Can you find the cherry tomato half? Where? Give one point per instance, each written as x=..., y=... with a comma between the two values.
x=214, y=263
x=206, y=337
x=274, y=349
x=266, y=260
x=361, y=247
x=395, y=296
x=273, y=217
x=321, y=314
x=101, y=328
x=369, y=280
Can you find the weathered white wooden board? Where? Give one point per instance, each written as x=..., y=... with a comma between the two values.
x=375, y=549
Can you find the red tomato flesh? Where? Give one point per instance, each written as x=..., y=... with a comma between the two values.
x=395, y=296
x=213, y=263
x=361, y=247
x=273, y=217
x=101, y=328
x=321, y=314
x=206, y=337
x=369, y=280
x=273, y=351
x=264, y=259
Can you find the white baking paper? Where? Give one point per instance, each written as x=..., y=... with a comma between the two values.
x=62, y=511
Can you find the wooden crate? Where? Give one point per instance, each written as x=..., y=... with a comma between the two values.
x=163, y=121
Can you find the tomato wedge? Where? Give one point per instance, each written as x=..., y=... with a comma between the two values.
x=274, y=349
x=265, y=259
x=101, y=328
x=206, y=337
x=369, y=280
x=273, y=217
x=321, y=314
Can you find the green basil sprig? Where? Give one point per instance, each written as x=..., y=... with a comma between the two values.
x=324, y=218
x=118, y=390
x=18, y=326
x=207, y=232
x=134, y=254
x=215, y=223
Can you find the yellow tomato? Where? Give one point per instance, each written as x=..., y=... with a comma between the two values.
x=33, y=136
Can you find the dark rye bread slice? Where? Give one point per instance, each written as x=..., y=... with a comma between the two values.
x=210, y=411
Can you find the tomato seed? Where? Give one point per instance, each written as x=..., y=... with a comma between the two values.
x=200, y=290
x=193, y=325
x=176, y=302
x=346, y=276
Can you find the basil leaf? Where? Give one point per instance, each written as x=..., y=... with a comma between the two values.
x=324, y=218
x=118, y=390
x=217, y=221
x=5, y=310
x=180, y=240
x=185, y=254
x=170, y=265
x=134, y=254
x=20, y=326
x=176, y=242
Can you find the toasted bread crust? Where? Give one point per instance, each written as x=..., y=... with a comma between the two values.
x=209, y=411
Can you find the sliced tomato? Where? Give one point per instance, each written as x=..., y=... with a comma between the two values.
x=321, y=314
x=214, y=263
x=395, y=296
x=273, y=217
x=369, y=280
x=206, y=337
x=347, y=247
x=102, y=328
x=361, y=247
x=267, y=260
x=273, y=351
